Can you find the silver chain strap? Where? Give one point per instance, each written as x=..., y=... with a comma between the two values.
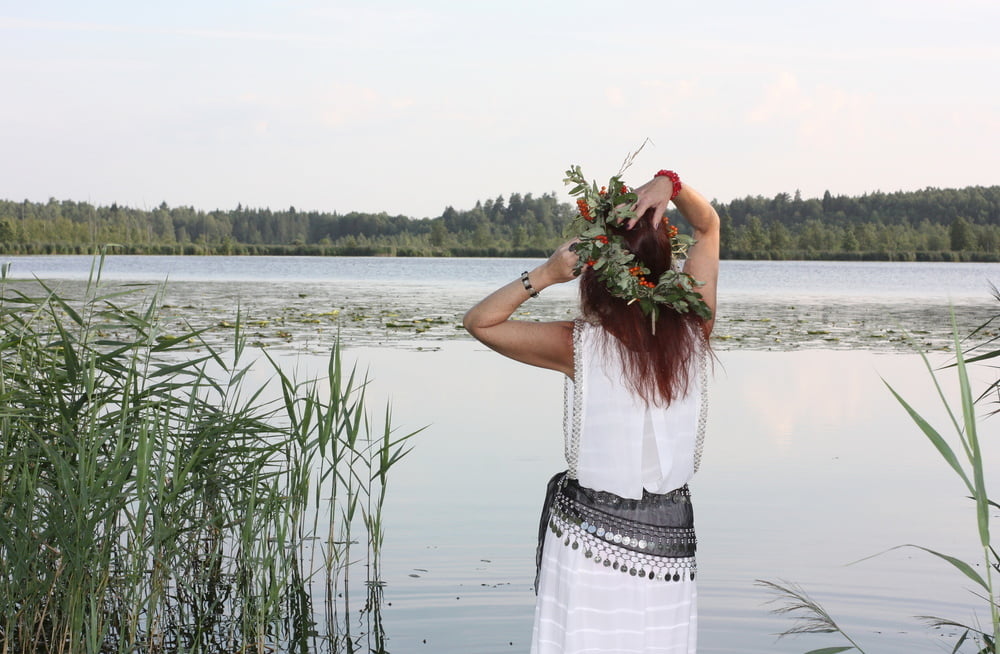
x=571, y=424
x=699, y=443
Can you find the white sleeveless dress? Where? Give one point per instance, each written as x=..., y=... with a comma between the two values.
x=615, y=443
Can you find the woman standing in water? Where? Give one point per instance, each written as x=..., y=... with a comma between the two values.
x=616, y=545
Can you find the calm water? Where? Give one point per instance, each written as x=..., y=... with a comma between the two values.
x=809, y=463
x=891, y=281
x=809, y=466
x=303, y=302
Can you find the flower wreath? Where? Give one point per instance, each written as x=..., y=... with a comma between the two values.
x=617, y=268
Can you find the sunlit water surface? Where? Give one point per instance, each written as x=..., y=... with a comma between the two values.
x=810, y=464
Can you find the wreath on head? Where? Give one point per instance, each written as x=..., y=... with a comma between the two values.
x=616, y=267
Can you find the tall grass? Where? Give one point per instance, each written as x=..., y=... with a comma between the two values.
x=987, y=349
x=963, y=454
x=151, y=499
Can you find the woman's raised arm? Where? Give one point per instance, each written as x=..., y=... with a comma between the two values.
x=543, y=344
x=703, y=258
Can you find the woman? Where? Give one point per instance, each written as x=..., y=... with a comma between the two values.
x=616, y=560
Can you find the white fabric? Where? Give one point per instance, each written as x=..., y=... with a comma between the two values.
x=626, y=446
x=589, y=609
x=585, y=608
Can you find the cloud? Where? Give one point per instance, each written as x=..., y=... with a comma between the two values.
x=820, y=116
x=347, y=104
x=8, y=23
x=229, y=35
x=373, y=28
x=782, y=99
x=615, y=96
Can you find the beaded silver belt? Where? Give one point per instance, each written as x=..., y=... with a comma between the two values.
x=650, y=538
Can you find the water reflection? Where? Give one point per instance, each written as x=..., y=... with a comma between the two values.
x=809, y=465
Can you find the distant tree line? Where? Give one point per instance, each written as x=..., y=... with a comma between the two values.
x=932, y=225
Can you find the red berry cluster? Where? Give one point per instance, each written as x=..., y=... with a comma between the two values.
x=636, y=271
x=584, y=208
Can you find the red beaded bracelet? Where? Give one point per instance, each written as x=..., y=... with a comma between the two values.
x=673, y=177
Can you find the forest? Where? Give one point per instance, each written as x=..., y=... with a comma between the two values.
x=928, y=225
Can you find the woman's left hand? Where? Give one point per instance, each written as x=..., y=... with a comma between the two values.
x=560, y=266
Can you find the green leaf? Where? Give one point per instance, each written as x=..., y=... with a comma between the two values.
x=975, y=458
x=964, y=567
x=961, y=640
x=935, y=438
x=983, y=357
x=830, y=650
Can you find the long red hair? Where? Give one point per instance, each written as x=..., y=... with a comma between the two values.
x=657, y=362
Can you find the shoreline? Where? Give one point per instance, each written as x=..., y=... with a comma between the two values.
x=193, y=250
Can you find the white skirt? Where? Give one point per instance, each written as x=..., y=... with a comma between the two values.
x=584, y=608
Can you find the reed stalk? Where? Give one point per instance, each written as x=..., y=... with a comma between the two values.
x=152, y=501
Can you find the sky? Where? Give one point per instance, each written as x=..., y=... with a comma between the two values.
x=410, y=107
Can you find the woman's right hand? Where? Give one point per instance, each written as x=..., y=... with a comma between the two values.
x=653, y=195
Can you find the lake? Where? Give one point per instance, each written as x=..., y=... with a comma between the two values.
x=809, y=464
x=301, y=303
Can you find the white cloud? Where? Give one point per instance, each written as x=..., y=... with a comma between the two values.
x=8, y=23
x=345, y=104
x=821, y=116
x=230, y=35
x=615, y=96
x=783, y=99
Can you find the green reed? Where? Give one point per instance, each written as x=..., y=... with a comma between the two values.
x=963, y=454
x=152, y=499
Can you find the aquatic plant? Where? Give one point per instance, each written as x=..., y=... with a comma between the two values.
x=987, y=350
x=966, y=461
x=152, y=499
